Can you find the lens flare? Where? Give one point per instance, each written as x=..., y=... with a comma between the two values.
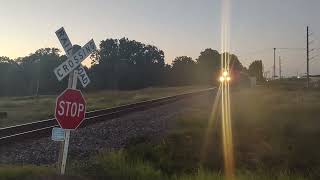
x=223, y=96
x=225, y=73
x=211, y=124
x=227, y=140
x=221, y=78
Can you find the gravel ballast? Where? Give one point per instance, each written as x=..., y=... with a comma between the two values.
x=109, y=135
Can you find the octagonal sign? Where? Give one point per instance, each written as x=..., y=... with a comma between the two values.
x=70, y=109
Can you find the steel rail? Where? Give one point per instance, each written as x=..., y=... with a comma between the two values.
x=43, y=128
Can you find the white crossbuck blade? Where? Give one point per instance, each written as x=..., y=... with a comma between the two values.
x=82, y=76
x=73, y=61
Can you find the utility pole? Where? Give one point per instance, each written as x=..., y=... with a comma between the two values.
x=308, y=56
x=274, y=63
x=280, y=67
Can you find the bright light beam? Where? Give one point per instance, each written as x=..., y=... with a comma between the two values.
x=211, y=122
x=225, y=92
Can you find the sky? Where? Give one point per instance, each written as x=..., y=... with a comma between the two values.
x=178, y=27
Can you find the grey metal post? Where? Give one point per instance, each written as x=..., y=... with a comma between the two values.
x=274, y=63
x=307, y=56
x=280, y=67
x=64, y=145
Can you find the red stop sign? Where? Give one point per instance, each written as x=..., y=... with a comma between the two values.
x=70, y=109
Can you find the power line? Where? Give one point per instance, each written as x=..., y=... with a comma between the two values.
x=274, y=56
x=313, y=60
x=313, y=57
x=291, y=48
x=313, y=52
x=259, y=51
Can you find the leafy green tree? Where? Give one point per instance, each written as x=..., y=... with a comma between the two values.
x=31, y=74
x=256, y=70
x=235, y=64
x=208, y=66
x=117, y=64
x=11, y=77
x=38, y=71
x=127, y=64
x=183, y=70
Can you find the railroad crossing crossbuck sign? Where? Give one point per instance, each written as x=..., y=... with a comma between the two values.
x=70, y=109
x=70, y=105
x=74, y=60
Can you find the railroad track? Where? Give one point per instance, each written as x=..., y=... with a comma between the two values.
x=43, y=128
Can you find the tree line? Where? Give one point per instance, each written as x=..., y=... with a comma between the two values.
x=117, y=64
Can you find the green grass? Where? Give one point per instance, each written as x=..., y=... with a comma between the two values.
x=275, y=133
x=209, y=175
x=115, y=165
x=120, y=166
x=28, y=108
x=25, y=172
x=125, y=165
x=276, y=128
